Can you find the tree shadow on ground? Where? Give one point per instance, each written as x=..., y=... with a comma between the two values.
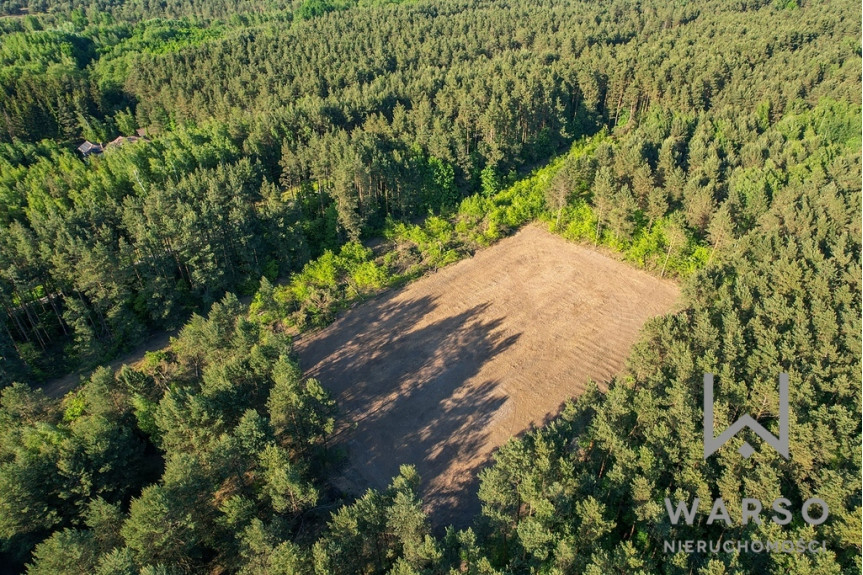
x=400, y=380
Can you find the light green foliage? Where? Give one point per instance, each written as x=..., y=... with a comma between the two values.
x=490, y=181
x=324, y=286
x=435, y=240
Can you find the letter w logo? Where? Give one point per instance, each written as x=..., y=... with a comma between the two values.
x=780, y=444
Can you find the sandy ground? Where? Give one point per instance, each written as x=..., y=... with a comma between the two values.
x=62, y=385
x=443, y=371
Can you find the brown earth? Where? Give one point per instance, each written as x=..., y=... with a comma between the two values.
x=60, y=386
x=443, y=371
x=157, y=341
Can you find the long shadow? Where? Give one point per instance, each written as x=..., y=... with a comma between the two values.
x=400, y=380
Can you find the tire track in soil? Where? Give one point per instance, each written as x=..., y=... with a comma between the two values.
x=444, y=370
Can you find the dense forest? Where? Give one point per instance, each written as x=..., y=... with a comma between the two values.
x=715, y=142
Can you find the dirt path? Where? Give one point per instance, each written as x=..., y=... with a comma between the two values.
x=446, y=369
x=62, y=385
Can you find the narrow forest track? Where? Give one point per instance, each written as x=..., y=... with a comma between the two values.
x=443, y=371
x=157, y=341
x=60, y=386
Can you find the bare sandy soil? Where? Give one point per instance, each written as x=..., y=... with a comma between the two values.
x=443, y=371
x=62, y=385
x=159, y=341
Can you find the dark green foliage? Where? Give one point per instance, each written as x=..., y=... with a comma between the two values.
x=301, y=412
x=715, y=143
x=60, y=468
x=586, y=493
x=369, y=125
x=180, y=222
x=226, y=466
x=378, y=532
x=66, y=552
x=265, y=554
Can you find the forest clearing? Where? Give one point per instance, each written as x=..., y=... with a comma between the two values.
x=440, y=373
x=429, y=287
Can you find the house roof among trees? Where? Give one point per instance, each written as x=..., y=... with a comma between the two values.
x=89, y=147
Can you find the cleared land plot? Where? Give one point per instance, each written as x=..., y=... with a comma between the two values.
x=443, y=371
